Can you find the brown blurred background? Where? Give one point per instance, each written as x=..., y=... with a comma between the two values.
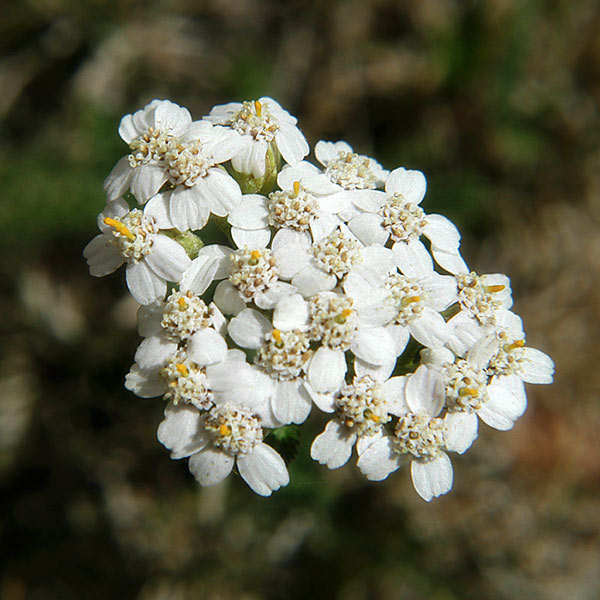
x=496, y=101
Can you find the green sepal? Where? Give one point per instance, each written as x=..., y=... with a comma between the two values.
x=261, y=185
x=286, y=440
x=191, y=242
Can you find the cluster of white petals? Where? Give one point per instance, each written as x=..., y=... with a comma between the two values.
x=269, y=285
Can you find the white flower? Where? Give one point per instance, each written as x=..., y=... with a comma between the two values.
x=421, y=435
x=347, y=169
x=183, y=317
x=132, y=237
x=332, y=320
x=362, y=409
x=200, y=185
x=490, y=381
x=283, y=355
x=149, y=133
x=396, y=215
x=318, y=266
x=412, y=305
x=484, y=302
x=231, y=432
x=260, y=123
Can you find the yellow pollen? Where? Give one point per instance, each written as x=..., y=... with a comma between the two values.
x=119, y=227
x=411, y=300
x=494, y=288
x=516, y=344
x=182, y=304
x=467, y=392
x=255, y=254
x=346, y=312
x=258, y=108
x=276, y=335
x=224, y=429
x=375, y=418
x=183, y=370
x=296, y=188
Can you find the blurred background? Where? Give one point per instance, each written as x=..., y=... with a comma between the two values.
x=496, y=101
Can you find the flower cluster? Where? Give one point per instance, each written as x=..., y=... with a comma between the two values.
x=269, y=285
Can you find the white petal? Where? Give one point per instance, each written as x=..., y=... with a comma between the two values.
x=206, y=347
x=263, y=470
x=146, y=181
x=430, y=329
x=291, y=402
x=368, y=229
x=291, y=144
x=377, y=372
x=251, y=213
x=218, y=184
x=273, y=294
x=425, y=391
x=379, y=459
x=145, y=384
x=228, y=299
x=311, y=281
x=290, y=259
x=369, y=201
x=324, y=402
x=102, y=256
x=378, y=259
x=451, y=261
x=187, y=209
x=143, y=283
x=180, y=431
x=154, y=352
x=288, y=237
x=466, y=331
x=199, y=275
x=334, y=446
x=291, y=312
x=432, y=478
x=210, y=466
x=374, y=345
x=442, y=233
x=441, y=290
x=158, y=208
x=410, y=183
x=253, y=238
x=248, y=328
x=413, y=259
x=538, y=367
x=149, y=318
x=461, y=431
x=394, y=390
x=222, y=254
x=400, y=335
x=324, y=225
x=117, y=182
x=326, y=370
x=502, y=407
x=167, y=258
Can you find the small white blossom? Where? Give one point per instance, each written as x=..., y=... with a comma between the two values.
x=361, y=411
x=260, y=123
x=132, y=237
x=420, y=435
x=231, y=432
